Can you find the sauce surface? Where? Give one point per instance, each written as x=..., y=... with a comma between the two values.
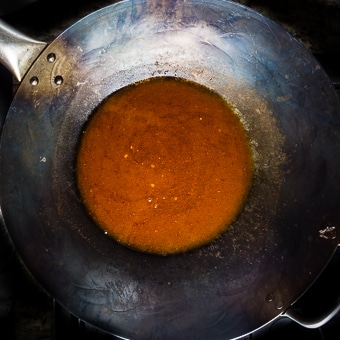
x=164, y=165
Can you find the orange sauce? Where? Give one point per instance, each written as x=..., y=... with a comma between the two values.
x=164, y=165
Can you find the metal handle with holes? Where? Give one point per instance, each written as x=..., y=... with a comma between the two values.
x=325, y=288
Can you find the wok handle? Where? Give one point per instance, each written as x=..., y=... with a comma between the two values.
x=326, y=287
x=17, y=51
x=315, y=322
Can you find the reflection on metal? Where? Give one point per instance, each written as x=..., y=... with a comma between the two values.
x=328, y=233
x=17, y=51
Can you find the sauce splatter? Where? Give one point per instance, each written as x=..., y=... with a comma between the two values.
x=164, y=165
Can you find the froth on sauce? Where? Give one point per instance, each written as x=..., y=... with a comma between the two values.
x=164, y=165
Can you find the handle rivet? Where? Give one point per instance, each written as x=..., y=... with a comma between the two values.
x=34, y=81
x=51, y=57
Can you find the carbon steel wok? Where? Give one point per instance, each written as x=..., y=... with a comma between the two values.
x=288, y=228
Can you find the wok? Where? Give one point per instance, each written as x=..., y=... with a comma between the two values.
x=287, y=230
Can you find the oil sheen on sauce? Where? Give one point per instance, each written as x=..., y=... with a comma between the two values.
x=164, y=165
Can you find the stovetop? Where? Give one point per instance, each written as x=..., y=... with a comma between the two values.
x=26, y=310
